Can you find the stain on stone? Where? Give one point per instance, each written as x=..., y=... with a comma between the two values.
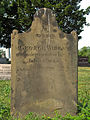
x=54, y=24
x=38, y=35
x=19, y=54
x=11, y=90
x=54, y=30
x=24, y=54
x=61, y=35
x=70, y=43
x=20, y=42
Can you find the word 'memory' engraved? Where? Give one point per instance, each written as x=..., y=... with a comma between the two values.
x=48, y=47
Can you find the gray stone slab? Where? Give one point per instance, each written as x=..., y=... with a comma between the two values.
x=44, y=68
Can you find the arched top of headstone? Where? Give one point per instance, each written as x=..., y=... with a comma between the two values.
x=43, y=18
x=47, y=16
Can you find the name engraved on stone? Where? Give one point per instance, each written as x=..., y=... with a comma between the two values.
x=40, y=48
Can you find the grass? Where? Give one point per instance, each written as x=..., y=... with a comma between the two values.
x=5, y=92
x=84, y=91
x=84, y=78
x=83, y=100
x=83, y=83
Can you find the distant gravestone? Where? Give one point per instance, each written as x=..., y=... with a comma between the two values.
x=44, y=68
x=5, y=71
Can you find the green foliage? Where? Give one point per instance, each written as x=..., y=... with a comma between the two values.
x=18, y=14
x=83, y=101
x=8, y=21
x=85, y=51
x=2, y=53
x=4, y=112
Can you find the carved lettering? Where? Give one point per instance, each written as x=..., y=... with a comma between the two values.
x=48, y=47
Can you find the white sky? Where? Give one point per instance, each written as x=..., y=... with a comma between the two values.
x=85, y=41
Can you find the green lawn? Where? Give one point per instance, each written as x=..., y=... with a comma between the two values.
x=83, y=82
x=84, y=78
x=83, y=99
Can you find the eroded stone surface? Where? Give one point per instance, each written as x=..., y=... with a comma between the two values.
x=44, y=68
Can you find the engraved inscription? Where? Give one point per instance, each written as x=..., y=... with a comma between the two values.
x=40, y=47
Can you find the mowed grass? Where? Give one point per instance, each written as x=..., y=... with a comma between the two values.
x=5, y=90
x=83, y=81
x=84, y=78
x=83, y=98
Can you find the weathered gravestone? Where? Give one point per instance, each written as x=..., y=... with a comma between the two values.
x=5, y=71
x=44, y=68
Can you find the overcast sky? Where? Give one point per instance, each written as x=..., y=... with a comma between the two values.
x=85, y=41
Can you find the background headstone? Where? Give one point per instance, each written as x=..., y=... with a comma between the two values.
x=3, y=61
x=44, y=68
x=5, y=71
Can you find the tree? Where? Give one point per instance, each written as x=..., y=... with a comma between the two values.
x=18, y=14
x=8, y=21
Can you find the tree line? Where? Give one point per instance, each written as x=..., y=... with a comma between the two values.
x=18, y=14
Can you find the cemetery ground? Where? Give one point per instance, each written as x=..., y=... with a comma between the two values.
x=83, y=100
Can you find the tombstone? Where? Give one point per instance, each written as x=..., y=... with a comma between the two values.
x=44, y=68
x=5, y=71
x=83, y=61
x=3, y=60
